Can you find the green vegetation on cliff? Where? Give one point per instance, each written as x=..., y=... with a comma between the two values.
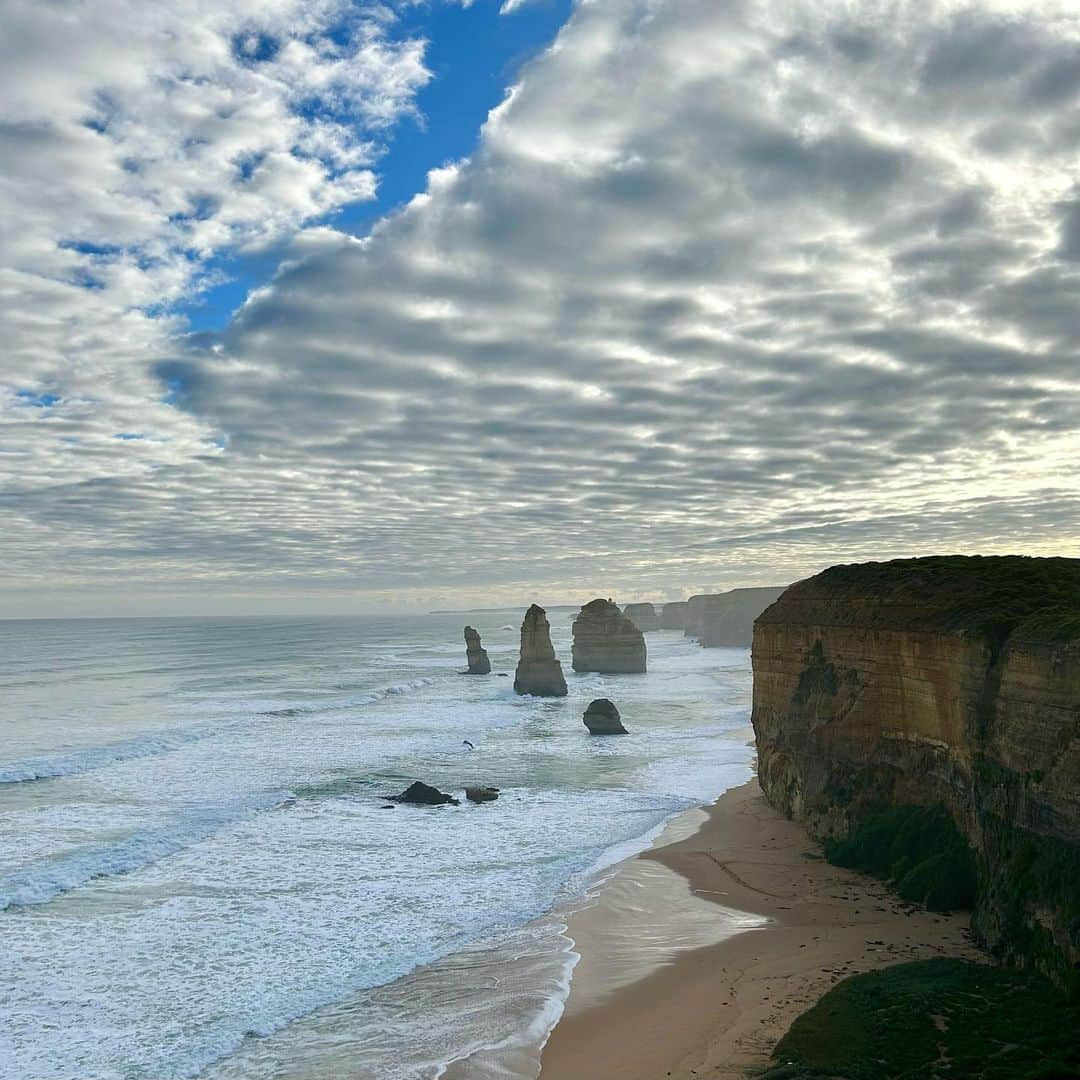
x=935, y=1020
x=918, y=848
x=994, y=595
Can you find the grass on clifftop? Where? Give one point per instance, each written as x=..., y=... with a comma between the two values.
x=918, y=848
x=997, y=595
x=935, y=1020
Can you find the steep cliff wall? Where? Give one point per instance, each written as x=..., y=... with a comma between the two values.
x=726, y=619
x=951, y=681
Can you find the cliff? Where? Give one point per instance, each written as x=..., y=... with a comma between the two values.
x=673, y=615
x=945, y=682
x=726, y=619
x=643, y=616
x=605, y=640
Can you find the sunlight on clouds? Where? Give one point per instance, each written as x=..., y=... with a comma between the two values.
x=727, y=292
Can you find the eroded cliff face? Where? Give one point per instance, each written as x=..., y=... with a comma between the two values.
x=902, y=683
x=726, y=619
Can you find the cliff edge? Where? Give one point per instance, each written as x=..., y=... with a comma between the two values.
x=949, y=682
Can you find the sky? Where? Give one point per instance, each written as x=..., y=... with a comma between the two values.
x=349, y=305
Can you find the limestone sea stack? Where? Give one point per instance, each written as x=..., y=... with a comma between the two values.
x=602, y=718
x=479, y=664
x=538, y=671
x=605, y=640
x=643, y=616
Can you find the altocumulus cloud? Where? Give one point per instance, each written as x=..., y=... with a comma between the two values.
x=727, y=292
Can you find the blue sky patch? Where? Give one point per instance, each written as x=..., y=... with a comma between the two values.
x=474, y=55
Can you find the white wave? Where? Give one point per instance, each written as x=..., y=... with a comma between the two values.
x=74, y=762
x=44, y=880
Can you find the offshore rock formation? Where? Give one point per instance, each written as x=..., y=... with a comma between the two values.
x=643, y=616
x=607, y=641
x=673, y=615
x=479, y=664
x=951, y=682
x=538, y=672
x=602, y=718
x=420, y=794
x=481, y=794
x=727, y=619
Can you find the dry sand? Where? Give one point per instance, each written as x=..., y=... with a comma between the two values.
x=697, y=955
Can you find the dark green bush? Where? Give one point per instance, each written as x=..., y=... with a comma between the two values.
x=918, y=848
x=935, y=1020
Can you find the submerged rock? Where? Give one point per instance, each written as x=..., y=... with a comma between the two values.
x=602, y=718
x=605, y=640
x=481, y=794
x=643, y=616
x=479, y=664
x=425, y=795
x=538, y=671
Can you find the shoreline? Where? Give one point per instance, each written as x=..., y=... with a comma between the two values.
x=745, y=927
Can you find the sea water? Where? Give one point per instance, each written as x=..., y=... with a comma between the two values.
x=198, y=877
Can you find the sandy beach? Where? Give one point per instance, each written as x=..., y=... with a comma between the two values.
x=697, y=955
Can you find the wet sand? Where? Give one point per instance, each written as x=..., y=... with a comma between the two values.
x=697, y=955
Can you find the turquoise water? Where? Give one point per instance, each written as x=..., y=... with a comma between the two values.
x=197, y=875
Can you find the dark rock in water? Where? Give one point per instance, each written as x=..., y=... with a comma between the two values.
x=479, y=664
x=538, y=671
x=605, y=640
x=602, y=718
x=388, y=806
x=481, y=794
x=425, y=795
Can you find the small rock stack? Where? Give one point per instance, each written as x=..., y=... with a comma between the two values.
x=605, y=640
x=479, y=664
x=538, y=671
x=602, y=718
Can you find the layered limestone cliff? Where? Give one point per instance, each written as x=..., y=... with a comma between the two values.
x=726, y=619
x=643, y=616
x=605, y=640
x=538, y=670
x=946, y=681
x=673, y=615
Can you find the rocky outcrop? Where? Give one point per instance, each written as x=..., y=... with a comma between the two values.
x=481, y=794
x=602, y=718
x=607, y=641
x=477, y=657
x=727, y=619
x=673, y=615
x=420, y=794
x=538, y=671
x=950, y=682
x=643, y=616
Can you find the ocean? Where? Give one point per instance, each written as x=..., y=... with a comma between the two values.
x=198, y=877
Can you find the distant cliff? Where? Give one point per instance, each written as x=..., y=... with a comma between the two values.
x=943, y=682
x=726, y=619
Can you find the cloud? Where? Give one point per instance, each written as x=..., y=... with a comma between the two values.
x=139, y=141
x=727, y=292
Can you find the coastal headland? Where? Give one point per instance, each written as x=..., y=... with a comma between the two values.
x=920, y=720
